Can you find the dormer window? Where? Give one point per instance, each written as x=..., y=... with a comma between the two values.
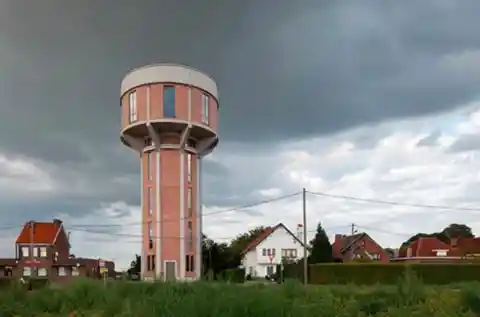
x=43, y=252
x=25, y=252
x=441, y=252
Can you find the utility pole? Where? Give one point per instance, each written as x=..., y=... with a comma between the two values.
x=353, y=229
x=305, y=249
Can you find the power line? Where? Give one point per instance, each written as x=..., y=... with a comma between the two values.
x=263, y=202
x=393, y=203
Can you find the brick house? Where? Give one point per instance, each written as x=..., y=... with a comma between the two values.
x=433, y=250
x=359, y=246
x=42, y=251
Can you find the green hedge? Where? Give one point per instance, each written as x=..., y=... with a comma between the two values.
x=340, y=273
x=233, y=275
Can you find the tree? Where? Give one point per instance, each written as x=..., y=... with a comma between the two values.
x=453, y=230
x=456, y=230
x=135, y=266
x=321, y=251
x=238, y=244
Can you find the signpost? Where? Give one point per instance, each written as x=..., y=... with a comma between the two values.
x=103, y=271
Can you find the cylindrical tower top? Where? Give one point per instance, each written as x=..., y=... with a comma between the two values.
x=168, y=73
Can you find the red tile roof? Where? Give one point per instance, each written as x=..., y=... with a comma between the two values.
x=468, y=245
x=265, y=234
x=39, y=232
x=426, y=246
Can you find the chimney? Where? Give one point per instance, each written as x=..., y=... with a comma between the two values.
x=339, y=237
x=58, y=222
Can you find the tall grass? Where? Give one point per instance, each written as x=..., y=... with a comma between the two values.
x=409, y=298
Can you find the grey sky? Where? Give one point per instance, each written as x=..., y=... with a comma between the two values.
x=287, y=71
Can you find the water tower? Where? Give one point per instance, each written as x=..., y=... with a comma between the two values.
x=169, y=117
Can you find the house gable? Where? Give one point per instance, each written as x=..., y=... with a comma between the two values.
x=358, y=246
x=267, y=233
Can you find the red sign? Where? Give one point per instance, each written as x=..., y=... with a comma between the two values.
x=32, y=262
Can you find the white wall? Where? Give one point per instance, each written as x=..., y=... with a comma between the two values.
x=250, y=262
x=280, y=239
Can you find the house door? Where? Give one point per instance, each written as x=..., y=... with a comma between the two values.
x=170, y=270
x=269, y=270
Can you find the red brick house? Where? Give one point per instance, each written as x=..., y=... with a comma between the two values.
x=358, y=246
x=433, y=250
x=42, y=251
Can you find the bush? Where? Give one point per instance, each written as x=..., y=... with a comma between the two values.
x=367, y=274
x=233, y=275
x=409, y=297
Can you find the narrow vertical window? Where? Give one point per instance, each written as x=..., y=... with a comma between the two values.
x=169, y=101
x=151, y=164
x=132, y=101
x=150, y=235
x=189, y=202
x=205, y=108
x=190, y=236
x=150, y=201
x=189, y=168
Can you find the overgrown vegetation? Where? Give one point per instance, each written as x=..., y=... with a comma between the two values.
x=409, y=297
x=377, y=273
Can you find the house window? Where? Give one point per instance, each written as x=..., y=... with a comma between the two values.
x=169, y=101
x=289, y=253
x=25, y=252
x=43, y=252
x=62, y=271
x=264, y=252
x=75, y=271
x=273, y=252
x=189, y=202
x=190, y=263
x=269, y=252
x=27, y=271
x=132, y=100
x=189, y=168
x=205, y=108
x=150, y=201
x=441, y=252
x=35, y=252
x=42, y=271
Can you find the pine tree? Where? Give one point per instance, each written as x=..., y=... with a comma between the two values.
x=321, y=249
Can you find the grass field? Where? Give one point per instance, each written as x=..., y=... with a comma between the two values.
x=93, y=299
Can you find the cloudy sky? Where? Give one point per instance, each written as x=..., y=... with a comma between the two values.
x=371, y=99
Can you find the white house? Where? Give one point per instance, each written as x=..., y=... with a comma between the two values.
x=261, y=257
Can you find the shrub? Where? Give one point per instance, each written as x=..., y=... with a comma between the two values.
x=368, y=274
x=236, y=275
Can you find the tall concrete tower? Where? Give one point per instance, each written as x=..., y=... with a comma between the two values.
x=169, y=116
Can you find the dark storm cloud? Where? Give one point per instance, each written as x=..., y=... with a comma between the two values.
x=285, y=70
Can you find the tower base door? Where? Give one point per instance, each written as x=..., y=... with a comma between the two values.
x=170, y=271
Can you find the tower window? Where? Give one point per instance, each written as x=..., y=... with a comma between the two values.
x=189, y=168
x=169, y=101
x=189, y=202
x=205, y=108
x=132, y=101
x=150, y=201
